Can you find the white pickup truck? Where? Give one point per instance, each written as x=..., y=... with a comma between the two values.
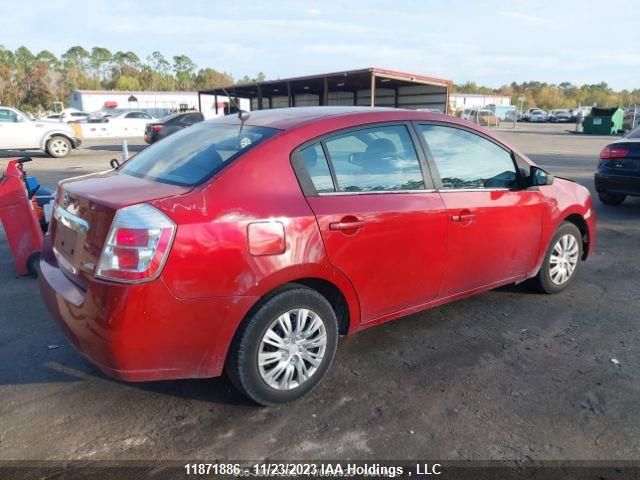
x=19, y=132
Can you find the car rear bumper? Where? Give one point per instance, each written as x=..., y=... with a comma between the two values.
x=141, y=332
x=621, y=184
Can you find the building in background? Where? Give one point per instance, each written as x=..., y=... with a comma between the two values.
x=366, y=87
x=460, y=101
x=157, y=104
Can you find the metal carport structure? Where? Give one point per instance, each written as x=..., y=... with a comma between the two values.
x=365, y=87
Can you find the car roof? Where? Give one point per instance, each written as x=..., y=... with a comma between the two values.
x=288, y=118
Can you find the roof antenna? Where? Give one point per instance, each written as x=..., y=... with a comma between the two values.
x=243, y=115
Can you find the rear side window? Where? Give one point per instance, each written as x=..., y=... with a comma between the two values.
x=194, y=154
x=315, y=162
x=375, y=159
x=468, y=161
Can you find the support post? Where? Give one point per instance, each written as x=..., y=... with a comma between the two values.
x=373, y=89
x=215, y=99
x=259, y=89
x=199, y=102
x=289, y=97
x=446, y=102
x=125, y=150
x=355, y=98
x=325, y=92
x=396, y=98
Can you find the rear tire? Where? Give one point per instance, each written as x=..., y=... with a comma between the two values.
x=284, y=348
x=58, y=146
x=562, y=260
x=611, y=198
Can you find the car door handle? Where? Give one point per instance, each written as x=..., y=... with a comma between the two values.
x=465, y=217
x=346, y=225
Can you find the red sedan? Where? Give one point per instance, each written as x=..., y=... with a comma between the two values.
x=248, y=245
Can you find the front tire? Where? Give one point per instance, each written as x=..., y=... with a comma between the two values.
x=611, y=198
x=562, y=260
x=33, y=264
x=285, y=347
x=58, y=146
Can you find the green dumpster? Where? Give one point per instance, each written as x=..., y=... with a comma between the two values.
x=603, y=121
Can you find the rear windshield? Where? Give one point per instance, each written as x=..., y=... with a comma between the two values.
x=194, y=154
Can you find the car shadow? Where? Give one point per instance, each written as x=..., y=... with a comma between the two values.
x=23, y=153
x=135, y=148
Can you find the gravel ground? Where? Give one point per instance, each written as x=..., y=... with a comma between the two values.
x=508, y=374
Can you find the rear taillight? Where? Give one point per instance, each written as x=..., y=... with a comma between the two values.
x=613, y=152
x=137, y=245
x=157, y=128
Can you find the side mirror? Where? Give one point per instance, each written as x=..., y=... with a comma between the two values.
x=539, y=177
x=114, y=163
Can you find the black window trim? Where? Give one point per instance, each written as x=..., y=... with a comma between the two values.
x=307, y=186
x=435, y=174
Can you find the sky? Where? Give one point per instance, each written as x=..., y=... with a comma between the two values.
x=489, y=42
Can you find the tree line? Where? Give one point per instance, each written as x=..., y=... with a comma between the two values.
x=564, y=95
x=33, y=81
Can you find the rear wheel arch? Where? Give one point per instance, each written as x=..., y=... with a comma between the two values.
x=329, y=290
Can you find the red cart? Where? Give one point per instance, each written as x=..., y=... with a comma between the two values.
x=19, y=218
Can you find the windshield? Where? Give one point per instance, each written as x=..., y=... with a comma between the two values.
x=191, y=156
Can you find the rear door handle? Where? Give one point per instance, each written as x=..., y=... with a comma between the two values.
x=465, y=217
x=348, y=225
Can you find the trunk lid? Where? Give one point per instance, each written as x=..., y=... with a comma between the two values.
x=628, y=163
x=84, y=211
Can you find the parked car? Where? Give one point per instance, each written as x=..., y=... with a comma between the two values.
x=466, y=113
x=538, y=116
x=249, y=245
x=618, y=173
x=51, y=118
x=559, y=115
x=19, y=132
x=485, y=118
x=72, y=115
x=527, y=114
x=155, y=131
x=631, y=118
x=130, y=124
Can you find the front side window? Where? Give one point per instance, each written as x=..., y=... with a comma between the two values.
x=192, y=155
x=7, y=116
x=375, y=159
x=468, y=161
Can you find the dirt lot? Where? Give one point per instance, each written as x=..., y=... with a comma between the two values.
x=509, y=374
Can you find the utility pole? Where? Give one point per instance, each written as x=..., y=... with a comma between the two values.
x=515, y=120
